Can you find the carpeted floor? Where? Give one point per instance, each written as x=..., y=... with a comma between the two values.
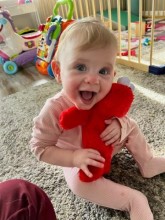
x=16, y=160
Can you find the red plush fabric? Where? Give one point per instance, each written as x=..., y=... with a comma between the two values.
x=115, y=104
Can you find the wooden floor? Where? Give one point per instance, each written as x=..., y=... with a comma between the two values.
x=26, y=77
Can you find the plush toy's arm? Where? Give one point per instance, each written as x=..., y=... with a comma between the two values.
x=73, y=117
x=122, y=97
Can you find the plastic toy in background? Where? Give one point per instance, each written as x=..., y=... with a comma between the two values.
x=148, y=25
x=126, y=53
x=51, y=31
x=157, y=70
x=146, y=42
x=133, y=44
x=46, y=46
x=20, y=2
x=15, y=50
x=26, y=30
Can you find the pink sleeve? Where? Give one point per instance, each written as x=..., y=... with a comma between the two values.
x=46, y=129
x=126, y=126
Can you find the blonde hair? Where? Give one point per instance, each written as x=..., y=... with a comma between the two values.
x=87, y=33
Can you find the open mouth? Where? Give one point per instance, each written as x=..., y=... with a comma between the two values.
x=87, y=95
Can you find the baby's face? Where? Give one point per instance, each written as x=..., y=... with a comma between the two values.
x=87, y=76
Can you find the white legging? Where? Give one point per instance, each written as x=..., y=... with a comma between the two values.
x=109, y=194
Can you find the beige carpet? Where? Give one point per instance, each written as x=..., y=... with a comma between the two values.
x=16, y=160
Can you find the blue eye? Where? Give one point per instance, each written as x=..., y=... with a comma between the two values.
x=103, y=71
x=81, y=67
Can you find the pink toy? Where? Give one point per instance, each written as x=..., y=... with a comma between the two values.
x=11, y=43
x=14, y=43
x=24, y=1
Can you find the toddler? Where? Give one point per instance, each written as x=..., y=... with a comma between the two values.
x=84, y=64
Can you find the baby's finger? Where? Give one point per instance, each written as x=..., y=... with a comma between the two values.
x=96, y=157
x=95, y=163
x=86, y=171
x=93, y=151
x=108, y=121
x=116, y=142
x=113, y=141
x=105, y=132
x=110, y=135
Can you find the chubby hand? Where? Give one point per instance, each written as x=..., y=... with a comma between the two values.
x=112, y=133
x=84, y=157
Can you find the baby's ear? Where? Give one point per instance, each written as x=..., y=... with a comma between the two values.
x=56, y=70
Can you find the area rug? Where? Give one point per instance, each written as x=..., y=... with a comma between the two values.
x=16, y=161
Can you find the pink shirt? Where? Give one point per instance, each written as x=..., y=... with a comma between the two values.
x=47, y=130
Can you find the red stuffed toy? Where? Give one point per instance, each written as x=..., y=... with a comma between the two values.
x=115, y=104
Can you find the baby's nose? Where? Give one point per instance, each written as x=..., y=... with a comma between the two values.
x=92, y=78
